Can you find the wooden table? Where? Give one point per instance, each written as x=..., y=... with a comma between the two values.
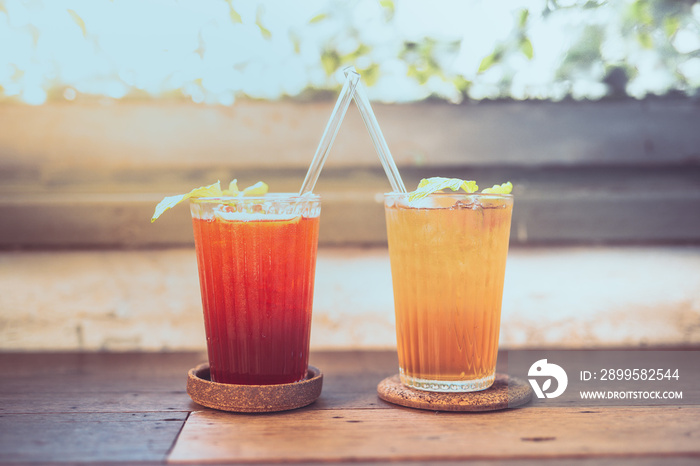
x=133, y=408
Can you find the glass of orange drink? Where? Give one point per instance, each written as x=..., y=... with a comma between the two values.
x=448, y=257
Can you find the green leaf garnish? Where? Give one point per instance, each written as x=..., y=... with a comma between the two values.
x=428, y=186
x=504, y=188
x=213, y=190
x=171, y=201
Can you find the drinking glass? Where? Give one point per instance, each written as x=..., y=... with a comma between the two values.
x=256, y=258
x=448, y=257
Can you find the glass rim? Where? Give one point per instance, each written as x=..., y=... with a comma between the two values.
x=451, y=194
x=279, y=197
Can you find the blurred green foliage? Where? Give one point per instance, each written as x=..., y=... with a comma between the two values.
x=516, y=49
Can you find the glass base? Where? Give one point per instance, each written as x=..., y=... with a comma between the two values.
x=447, y=386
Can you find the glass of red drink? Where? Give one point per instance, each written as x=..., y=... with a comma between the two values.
x=257, y=258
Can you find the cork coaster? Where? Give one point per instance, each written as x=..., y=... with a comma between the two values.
x=506, y=392
x=252, y=398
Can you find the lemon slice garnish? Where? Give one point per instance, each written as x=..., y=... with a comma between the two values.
x=258, y=189
x=232, y=189
x=213, y=190
x=428, y=186
x=505, y=188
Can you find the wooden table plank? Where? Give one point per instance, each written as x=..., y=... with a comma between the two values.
x=350, y=378
x=402, y=434
x=88, y=437
x=95, y=382
x=93, y=402
x=92, y=407
x=66, y=372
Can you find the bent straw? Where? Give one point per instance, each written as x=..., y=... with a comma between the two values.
x=375, y=133
x=324, y=146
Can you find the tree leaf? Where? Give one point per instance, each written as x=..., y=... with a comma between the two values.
x=671, y=25
x=526, y=48
x=78, y=20
x=640, y=12
x=460, y=83
x=233, y=14
x=645, y=40
x=488, y=62
x=235, y=17
x=318, y=18
x=296, y=42
x=263, y=30
x=258, y=22
x=389, y=6
x=330, y=61
x=522, y=20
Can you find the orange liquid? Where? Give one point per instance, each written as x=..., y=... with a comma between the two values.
x=448, y=267
x=257, y=280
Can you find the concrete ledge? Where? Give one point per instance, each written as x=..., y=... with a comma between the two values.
x=609, y=172
x=284, y=134
x=149, y=299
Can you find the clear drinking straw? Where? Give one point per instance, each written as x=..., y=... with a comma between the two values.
x=324, y=147
x=375, y=133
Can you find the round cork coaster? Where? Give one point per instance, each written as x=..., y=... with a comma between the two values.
x=506, y=392
x=252, y=398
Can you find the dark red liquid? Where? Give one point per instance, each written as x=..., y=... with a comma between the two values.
x=257, y=280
